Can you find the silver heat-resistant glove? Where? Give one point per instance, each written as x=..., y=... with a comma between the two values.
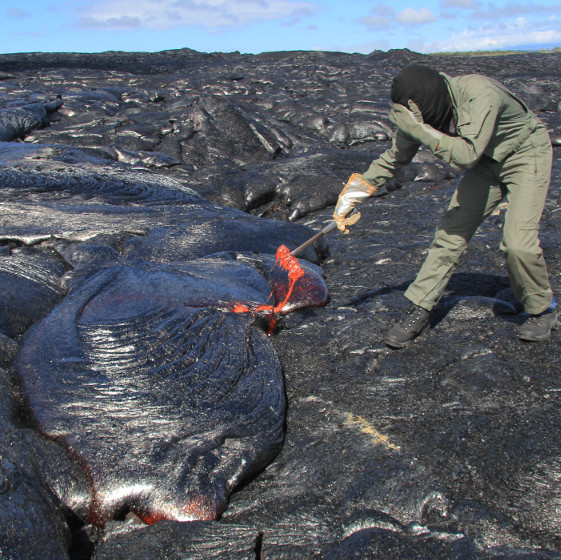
x=355, y=191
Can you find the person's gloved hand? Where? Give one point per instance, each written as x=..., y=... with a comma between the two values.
x=410, y=121
x=355, y=191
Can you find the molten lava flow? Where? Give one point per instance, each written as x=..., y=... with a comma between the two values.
x=289, y=263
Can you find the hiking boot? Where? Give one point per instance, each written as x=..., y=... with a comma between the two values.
x=413, y=322
x=539, y=327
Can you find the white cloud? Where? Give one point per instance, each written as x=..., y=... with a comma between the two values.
x=493, y=12
x=457, y=4
x=410, y=16
x=496, y=36
x=170, y=14
x=380, y=17
x=376, y=21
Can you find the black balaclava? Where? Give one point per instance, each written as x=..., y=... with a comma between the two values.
x=427, y=88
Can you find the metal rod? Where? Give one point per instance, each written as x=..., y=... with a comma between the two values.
x=330, y=227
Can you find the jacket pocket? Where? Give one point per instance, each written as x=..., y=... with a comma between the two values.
x=467, y=125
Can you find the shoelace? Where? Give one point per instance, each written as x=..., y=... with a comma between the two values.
x=413, y=316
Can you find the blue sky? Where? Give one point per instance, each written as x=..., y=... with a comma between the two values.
x=254, y=26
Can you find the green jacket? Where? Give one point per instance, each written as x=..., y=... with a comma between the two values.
x=488, y=120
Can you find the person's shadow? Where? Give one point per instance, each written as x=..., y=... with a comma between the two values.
x=460, y=286
x=471, y=284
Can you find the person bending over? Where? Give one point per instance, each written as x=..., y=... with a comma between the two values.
x=472, y=122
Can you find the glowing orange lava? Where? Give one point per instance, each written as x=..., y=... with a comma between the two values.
x=289, y=263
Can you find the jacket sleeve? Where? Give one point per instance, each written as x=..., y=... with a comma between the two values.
x=475, y=125
x=384, y=168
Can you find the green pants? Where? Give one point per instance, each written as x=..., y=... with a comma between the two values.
x=523, y=179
